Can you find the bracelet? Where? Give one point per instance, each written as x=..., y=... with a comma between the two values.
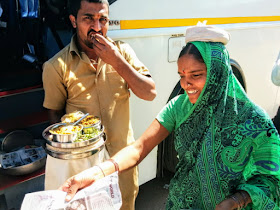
x=115, y=164
x=244, y=197
x=233, y=197
x=100, y=169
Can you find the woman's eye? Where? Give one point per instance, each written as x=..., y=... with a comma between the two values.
x=196, y=75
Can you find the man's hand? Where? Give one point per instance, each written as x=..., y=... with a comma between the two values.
x=142, y=86
x=80, y=181
x=105, y=50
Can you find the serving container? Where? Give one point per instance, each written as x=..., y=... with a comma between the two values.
x=52, y=141
x=90, y=129
x=79, y=152
x=89, y=142
x=23, y=161
x=64, y=137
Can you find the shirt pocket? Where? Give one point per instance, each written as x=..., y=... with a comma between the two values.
x=117, y=85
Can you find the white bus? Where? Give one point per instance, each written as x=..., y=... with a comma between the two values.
x=155, y=29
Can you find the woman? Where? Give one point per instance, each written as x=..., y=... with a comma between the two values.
x=227, y=146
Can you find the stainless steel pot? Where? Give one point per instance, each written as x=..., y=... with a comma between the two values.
x=79, y=152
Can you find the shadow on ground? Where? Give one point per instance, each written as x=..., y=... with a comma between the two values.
x=153, y=194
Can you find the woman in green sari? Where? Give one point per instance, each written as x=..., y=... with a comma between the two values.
x=228, y=148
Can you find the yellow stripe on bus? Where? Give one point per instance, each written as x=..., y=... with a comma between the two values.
x=159, y=23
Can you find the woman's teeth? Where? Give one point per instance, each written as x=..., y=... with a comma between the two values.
x=192, y=91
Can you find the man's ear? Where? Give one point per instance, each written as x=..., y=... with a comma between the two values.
x=73, y=20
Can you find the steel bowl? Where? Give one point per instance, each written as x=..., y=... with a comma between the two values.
x=36, y=164
x=64, y=137
x=91, y=127
x=25, y=169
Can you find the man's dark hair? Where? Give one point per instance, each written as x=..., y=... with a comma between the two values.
x=75, y=5
x=190, y=49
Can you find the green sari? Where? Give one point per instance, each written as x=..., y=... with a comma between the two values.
x=224, y=142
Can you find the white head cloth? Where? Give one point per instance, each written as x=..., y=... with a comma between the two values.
x=207, y=33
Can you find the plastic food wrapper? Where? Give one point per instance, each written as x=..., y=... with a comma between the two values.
x=102, y=194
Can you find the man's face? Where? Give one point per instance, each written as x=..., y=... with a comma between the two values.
x=91, y=18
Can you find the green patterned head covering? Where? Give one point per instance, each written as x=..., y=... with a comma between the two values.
x=246, y=146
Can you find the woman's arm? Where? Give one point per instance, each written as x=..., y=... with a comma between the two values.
x=127, y=158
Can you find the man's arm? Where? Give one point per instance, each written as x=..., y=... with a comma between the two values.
x=55, y=115
x=141, y=85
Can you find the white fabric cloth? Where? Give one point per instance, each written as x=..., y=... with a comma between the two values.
x=275, y=75
x=58, y=170
x=207, y=33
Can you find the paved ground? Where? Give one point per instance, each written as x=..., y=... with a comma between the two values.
x=153, y=194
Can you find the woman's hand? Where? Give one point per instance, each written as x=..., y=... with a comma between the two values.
x=238, y=200
x=227, y=204
x=80, y=181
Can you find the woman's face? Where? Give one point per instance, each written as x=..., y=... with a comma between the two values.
x=193, y=74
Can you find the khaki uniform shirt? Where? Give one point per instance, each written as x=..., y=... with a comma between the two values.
x=71, y=82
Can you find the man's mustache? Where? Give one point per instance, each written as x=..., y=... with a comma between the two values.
x=93, y=31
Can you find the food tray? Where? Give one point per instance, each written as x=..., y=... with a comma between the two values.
x=49, y=139
x=76, y=153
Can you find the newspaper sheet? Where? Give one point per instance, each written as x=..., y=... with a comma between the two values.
x=104, y=194
x=21, y=157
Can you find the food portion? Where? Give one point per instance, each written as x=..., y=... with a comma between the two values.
x=87, y=129
x=90, y=120
x=88, y=136
x=66, y=129
x=72, y=117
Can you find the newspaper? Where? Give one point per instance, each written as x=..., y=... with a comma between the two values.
x=103, y=194
x=21, y=157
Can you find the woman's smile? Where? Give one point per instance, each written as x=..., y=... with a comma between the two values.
x=193, y=74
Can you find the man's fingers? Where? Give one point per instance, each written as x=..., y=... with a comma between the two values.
x=101, y=39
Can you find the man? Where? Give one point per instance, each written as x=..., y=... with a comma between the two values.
x=94, y=74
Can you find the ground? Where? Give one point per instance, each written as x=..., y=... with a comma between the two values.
x=153, y=194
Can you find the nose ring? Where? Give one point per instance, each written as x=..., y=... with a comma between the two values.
x=188, y=84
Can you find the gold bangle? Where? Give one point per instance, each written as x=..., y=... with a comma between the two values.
x=101, y=170
x=115, y=164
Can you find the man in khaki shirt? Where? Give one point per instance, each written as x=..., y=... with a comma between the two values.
x=94, y=74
